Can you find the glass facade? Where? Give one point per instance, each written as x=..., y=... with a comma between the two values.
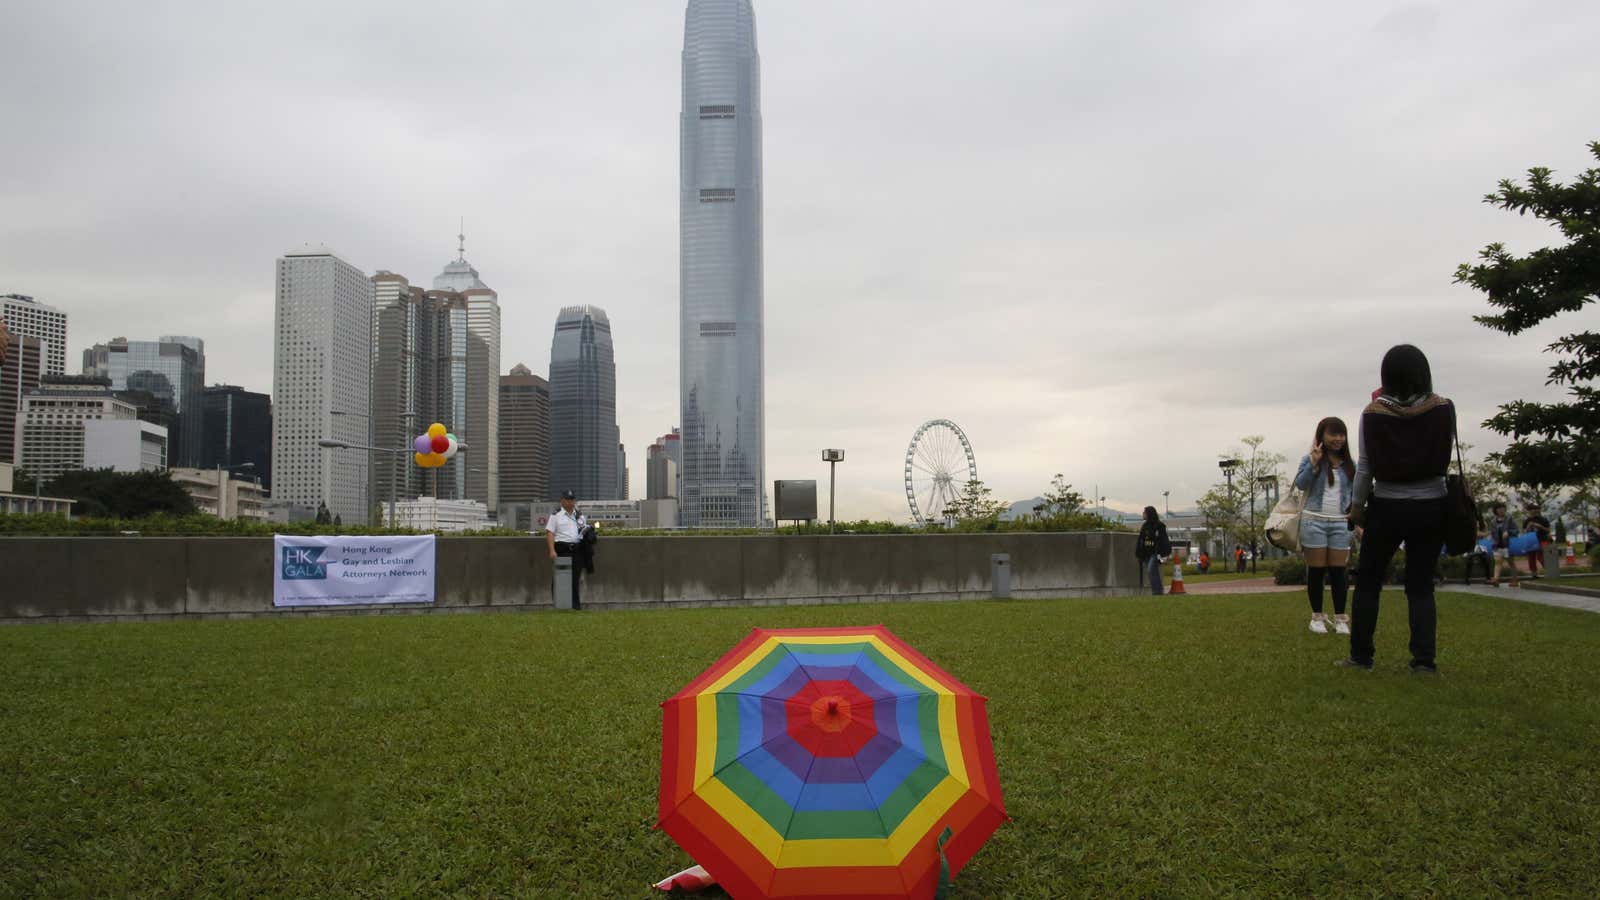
x=238, y=430
x=720, y=269
x=172, y=370
x=583, y=407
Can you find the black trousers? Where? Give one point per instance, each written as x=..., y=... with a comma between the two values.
x=1419, y=524
x=571, y=551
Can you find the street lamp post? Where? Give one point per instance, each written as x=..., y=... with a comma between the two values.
x=1166, y=496
x=1269, y=494
x=832, y=458
x=1227, y=466
x=366, y=485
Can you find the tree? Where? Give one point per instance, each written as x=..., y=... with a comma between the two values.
x=123, y=495
x=976, y=505
x=1060, y=499
x=1583, y=505
x=1552, y=443
x=23, y=482
x=1229, y=509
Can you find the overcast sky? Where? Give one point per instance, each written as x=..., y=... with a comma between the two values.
x=1106, y=238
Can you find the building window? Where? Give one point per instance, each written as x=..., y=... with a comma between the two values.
x=716, y=195
x=716, y=112
x=718, y=328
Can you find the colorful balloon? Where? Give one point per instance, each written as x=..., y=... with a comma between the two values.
x=440, y=444
x=436, y=430
x=437, y=458
x=423, y=444
x=422, y=460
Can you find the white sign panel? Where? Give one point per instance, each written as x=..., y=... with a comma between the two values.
x=352, y=571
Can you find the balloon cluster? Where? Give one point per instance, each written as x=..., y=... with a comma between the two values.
x=434, y=447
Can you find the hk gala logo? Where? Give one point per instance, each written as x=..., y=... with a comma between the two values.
x=304, y=564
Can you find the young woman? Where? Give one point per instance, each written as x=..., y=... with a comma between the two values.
x=1502, y=528
x=1404, y=447
x=1151, y=546
x=1327, y=476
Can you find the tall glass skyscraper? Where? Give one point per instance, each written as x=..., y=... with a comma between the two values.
x=583, y=406
x=720, y=269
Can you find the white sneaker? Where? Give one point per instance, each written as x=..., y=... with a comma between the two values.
x=1341, y=624
x=1318, y=625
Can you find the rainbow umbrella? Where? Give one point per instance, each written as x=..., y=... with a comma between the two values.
x=828, y=762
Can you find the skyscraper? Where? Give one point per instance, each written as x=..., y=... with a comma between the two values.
x=478, y=423
x=583, y=406
x=26, y=316
x=19, y=373
x=720, y=269
x=173, y=370
x=322, y=366
x=524, y=437
x=238, y=430
x=436, y=354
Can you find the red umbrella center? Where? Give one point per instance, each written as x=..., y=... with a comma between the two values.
x=831, y=718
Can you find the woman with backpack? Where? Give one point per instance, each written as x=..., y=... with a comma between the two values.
x=1404, y=447
x=1327, y=476
x=1152, y=545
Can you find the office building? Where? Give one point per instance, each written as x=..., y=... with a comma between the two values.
x=663, y=467
x=216, y=493
x=124, y=445
x=479, y=426
x=583, y=406
x=720, y=252
x=622, y=471
x=171, y=370
x=237, y=436
x=436, y=358
x=19, y=373
x=50, y=424
x=28, y=317
x=322, y=369
x=524, y=438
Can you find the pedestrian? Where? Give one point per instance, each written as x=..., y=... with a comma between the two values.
x=563, y=533
x=1538, y=524
x=1502, y=528
x=1205, y=562
x=1151, y=546
x=1238, y=558
x=1327, y=475
x=1403, y=450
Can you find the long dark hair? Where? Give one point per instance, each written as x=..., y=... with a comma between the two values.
x=1405, y=373
x=1150, y=516
x=1335, y=425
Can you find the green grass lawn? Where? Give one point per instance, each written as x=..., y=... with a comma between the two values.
x=1586, y=581
x=1147, y=746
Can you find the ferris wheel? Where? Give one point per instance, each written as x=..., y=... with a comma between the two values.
x=939, y=463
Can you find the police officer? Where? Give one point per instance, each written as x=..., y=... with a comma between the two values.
x=563, y=531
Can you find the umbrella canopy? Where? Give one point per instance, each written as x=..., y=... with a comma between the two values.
x=827, y=762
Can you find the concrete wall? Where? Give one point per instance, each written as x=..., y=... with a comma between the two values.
x=87, y=579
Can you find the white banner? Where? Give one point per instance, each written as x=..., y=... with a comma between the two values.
x=352, y=571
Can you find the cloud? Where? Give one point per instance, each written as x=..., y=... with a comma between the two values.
x=1108, y=239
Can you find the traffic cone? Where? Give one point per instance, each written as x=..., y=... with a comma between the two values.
x=1177, y=576
x=1572, y=558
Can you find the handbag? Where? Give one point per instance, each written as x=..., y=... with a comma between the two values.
x=1461, y=520
x=1283, y=523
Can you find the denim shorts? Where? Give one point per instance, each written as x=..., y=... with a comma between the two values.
x=1324, y=534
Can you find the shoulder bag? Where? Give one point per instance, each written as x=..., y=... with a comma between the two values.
x=1283, y=523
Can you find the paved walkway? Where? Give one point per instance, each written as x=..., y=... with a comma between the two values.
x=1524, y=594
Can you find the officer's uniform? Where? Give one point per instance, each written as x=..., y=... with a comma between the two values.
x=568, y=531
